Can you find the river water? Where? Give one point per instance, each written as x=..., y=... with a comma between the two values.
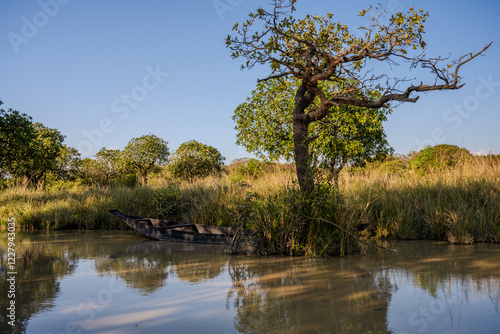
x=119, y=282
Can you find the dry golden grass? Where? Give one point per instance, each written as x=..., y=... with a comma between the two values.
x=459, y=204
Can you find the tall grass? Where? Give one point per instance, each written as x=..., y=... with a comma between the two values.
x=459, y=204
x=82, y=208
x=211, y=200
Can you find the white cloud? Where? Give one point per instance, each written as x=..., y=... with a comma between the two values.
x=483, y=152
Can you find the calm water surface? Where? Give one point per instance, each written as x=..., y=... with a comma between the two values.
x=119, y=282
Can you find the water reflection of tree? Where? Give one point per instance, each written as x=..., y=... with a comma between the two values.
x=145, y=266
x=141, y=273
x=268, y=294
x=37, y=284
x=300, y=295
x=199, y=270
x=43, y=259
x=452, y=271
x=353, y=294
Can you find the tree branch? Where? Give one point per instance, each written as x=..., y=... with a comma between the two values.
x=276, y=76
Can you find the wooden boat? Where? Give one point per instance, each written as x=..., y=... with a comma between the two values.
x=168, y=230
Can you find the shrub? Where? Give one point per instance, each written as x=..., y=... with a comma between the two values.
x=167, y=203
x=193, y=159
x=438, y=157
x=253, y=169
x=128, y=180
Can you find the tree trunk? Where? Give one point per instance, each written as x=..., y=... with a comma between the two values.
x=144, y=178
x=302, y=159
x=42, y=181
x=335, y=174
x=26, y=182
x=305, y=174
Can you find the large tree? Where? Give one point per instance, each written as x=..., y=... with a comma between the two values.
x=347, y=135
x=318, y=49
x=145, y=153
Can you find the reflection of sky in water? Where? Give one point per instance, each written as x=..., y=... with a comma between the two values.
x=91, y=303
x=468, y=306
x=131, y=286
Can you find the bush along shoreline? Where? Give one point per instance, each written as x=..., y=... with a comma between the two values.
x=428, y=195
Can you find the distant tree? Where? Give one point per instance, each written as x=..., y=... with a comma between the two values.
x=347, y=135
x=317, y=49
x=145, y=153
x=89, y=172
x=68, y=164
x=193, y=159
x=28, y=150
x=253, y=168
x=17, y=132
x=104, y=168
x=438, y=157
x=110, y=162
x=45, y=150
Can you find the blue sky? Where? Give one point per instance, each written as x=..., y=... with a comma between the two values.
x=103, y=72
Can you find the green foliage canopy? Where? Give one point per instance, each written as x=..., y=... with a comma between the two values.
x=68, y=164
x=45, y=149
x=193, y=159
x=106, y=166
x=145, y=153
x=28, y=150
x=253, y=168
x=345, y=136
x=438, y=157
x=16, y=131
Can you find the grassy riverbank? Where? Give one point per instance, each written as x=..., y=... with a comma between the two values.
x=211, y=200
x=459, y=204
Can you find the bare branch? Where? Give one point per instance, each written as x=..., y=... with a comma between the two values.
x=276, y=76
x=451, y=82
x=470, y=58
